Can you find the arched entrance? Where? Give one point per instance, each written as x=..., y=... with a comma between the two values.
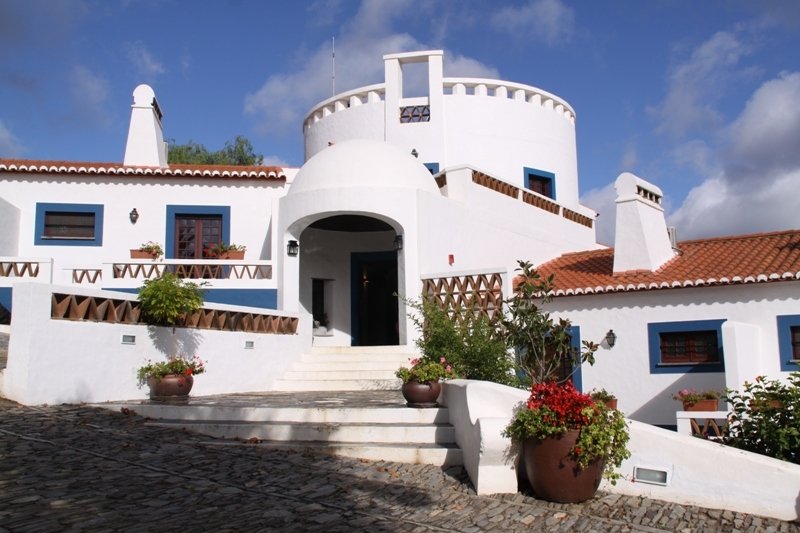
x=349, y=280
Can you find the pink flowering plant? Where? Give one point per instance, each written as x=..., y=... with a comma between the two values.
x=173, y=366
x=690, y=396
x=425, y=370
x=556, y=408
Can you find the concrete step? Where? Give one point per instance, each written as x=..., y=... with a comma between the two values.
x=337, y=374
x=314, y=415
x=322, y=432
x=432, y=454
x=325, y=366
x=396, y=359
x=337, y=384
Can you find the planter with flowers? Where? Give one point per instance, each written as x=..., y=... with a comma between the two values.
x=166, y=301
x=226, y=251
x=149, y=250
x=602, y=395
x=570, y=442
x=421, y=386
x=693, y=400
x=170, y=380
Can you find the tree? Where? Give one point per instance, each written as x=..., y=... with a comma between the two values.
x=237, y=152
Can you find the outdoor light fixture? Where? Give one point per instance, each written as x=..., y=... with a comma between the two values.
x=293, y=248
x=398, y=242
x=611, y=338
x=133, y=215
x=414, y=152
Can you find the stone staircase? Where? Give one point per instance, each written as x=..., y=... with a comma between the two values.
x=336, y=401
x=341, y=368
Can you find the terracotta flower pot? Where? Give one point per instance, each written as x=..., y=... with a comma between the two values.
x=554, y=475
x=142, y=254
x=702, y=405
x=421, y=394
x=611, y=403
x=172, y=387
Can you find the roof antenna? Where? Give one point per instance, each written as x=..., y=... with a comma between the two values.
x=333, y=61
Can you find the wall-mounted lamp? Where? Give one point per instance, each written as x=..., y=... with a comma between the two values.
x=293, y=248
x=398, y=242
x=611, y=338
x=133, y=215
x=414, y=152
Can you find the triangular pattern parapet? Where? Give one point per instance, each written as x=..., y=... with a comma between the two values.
x=117, y=311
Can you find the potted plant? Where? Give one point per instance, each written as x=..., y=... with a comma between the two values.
x=570, y=441
x=172, y=379
x=166, y=301
x=149, y=250
x=693, y=400
x=602, y=395
x=226, y=251
x=421, y=385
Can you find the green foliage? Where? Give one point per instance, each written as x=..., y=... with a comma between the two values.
x=553, y=409
x=484, y=355
x=164, y=300
x=765, y=418
x=472, y=347
x=239, y=152
x=543, y=344
x=425, y=371
x=174, y=365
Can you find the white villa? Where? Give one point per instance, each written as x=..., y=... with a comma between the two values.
x=438, y=193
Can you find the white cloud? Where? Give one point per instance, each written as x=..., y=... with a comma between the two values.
x=603, y=201
x=281, y=102
x=143, y=61
x=696, y=84
x=766, y=136
x=275, y=161
x=9, y=144
x=89, y=94
x=630, y=158
x=756, y=190
x=553, y=22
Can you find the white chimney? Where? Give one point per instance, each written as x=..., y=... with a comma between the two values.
x=641, y=241
x=146, y=146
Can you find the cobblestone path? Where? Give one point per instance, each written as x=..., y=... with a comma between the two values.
x=76, y=468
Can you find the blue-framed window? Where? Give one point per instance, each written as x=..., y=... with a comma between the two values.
x=68, y=224
x=175, y=211
x=540, y=181
x=789, y=342
x=432, y=167
x=682, y=347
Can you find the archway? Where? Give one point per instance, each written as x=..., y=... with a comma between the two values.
x=349, y=279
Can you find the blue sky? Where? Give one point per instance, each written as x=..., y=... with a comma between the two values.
x=701, y=98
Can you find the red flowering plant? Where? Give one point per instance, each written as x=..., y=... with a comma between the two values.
x=555, y=408
x=174, y=365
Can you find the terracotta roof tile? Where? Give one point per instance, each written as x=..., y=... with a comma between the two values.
x=720, y=261
x=185, y=171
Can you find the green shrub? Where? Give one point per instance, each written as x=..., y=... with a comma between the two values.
x=164, y=300
x=765, y=418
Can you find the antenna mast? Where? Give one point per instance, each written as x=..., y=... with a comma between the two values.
x=333, y=61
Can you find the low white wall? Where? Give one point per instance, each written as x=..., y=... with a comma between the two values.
x=701, y=473
x=62, y=361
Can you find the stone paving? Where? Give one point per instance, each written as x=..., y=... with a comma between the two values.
x=79, y=468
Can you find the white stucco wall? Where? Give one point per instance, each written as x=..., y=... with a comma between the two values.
x=9, y=221
x=250, y=202
x=495, y=125
x=55, y=361
x=624, y=370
